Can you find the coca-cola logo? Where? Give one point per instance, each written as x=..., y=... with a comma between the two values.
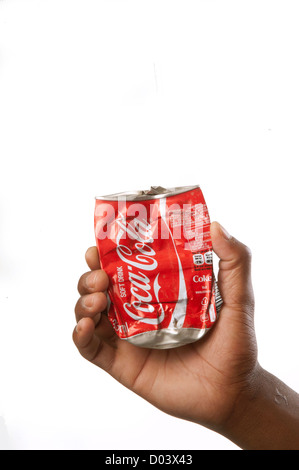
x=139, y=265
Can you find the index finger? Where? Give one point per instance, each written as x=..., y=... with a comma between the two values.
x=92, y=258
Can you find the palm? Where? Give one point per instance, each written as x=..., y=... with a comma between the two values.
x=190, y=381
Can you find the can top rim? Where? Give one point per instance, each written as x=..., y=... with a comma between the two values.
x=155, y=192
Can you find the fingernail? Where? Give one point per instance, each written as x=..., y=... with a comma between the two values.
x=225, y=233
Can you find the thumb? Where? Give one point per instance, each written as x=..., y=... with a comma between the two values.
x=234, y=277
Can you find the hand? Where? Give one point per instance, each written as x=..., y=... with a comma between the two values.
x=200, y=382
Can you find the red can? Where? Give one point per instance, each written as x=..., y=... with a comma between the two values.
x=156, y=248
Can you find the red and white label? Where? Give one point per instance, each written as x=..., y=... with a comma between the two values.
x=158, y=256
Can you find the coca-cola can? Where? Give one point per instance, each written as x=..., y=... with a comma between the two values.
x=156, y=249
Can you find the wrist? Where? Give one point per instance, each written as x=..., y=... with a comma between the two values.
x=265, y=415
x=247, y=404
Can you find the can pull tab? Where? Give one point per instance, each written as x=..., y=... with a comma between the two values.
x=156, y=190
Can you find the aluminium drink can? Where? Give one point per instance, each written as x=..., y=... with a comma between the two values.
x=156, y=249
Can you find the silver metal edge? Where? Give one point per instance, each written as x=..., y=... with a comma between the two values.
x=139, y=196
x=167, y=338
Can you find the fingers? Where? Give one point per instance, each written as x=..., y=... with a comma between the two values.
x=90, y=305
x=92, y=286
x=93, y=327
x=93, y=281
x=92, y=258
x=91, y=346
x=234, y=276
x=94, y=335
x=103, y=331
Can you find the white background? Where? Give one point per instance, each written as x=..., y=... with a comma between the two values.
x=101, y=96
